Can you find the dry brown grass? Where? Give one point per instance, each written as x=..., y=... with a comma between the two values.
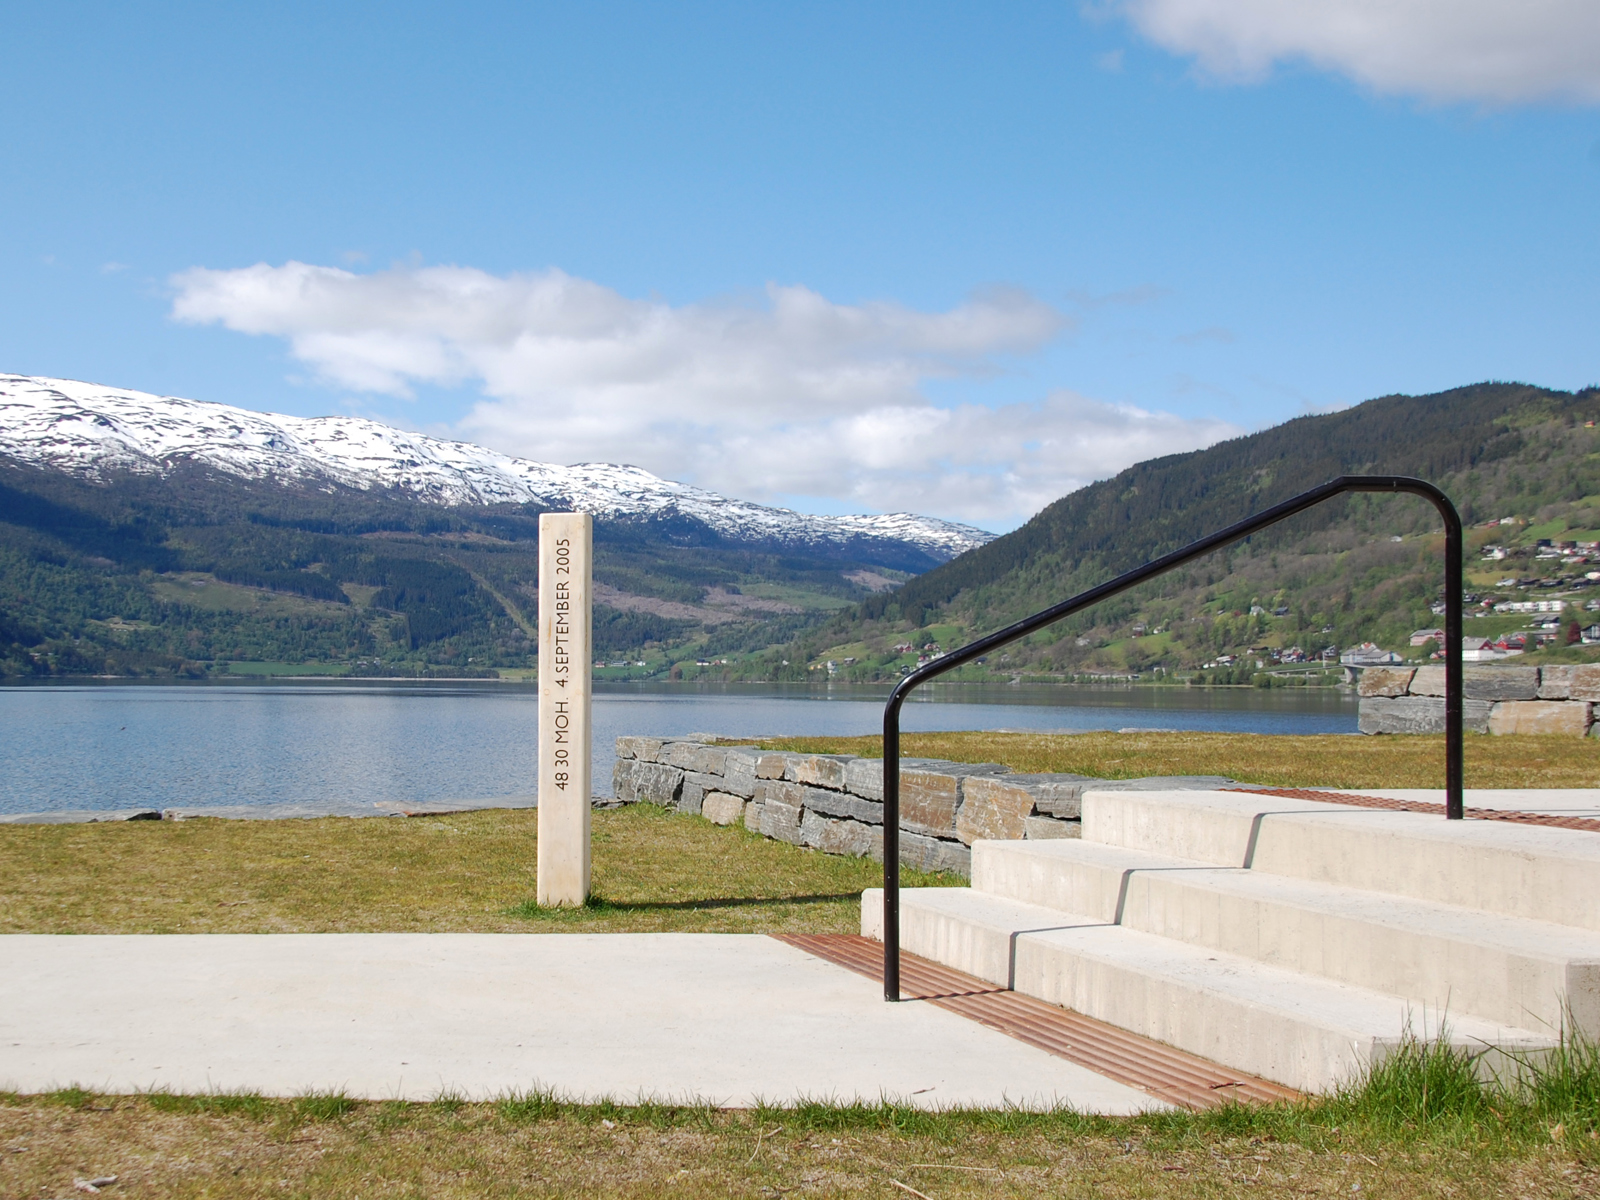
x=653, y=870
x=445, y=1151
x=1326, y=760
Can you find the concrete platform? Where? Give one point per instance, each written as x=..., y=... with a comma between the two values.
x=719, y=1017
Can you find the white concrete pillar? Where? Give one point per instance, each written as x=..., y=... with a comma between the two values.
x=566, y=543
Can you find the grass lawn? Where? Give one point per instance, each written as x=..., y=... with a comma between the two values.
x=242, y=1147
x=1323, y=760
x=469, y=873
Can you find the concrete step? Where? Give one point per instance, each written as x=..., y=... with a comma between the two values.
x=1538, y=872
x=1504, y=969
x=1294, y=1029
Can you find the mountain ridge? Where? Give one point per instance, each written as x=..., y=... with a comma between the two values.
x=92, y=431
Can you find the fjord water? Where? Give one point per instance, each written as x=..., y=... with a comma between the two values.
x=119, y=746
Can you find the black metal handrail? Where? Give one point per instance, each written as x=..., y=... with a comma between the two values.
x=1242, y=529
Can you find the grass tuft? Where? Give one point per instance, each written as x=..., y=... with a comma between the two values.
x=525, y=1108
x=225, y=1104
x=448, y=1102
x=322, y=1106
x=1563, y=1085
x=1423, y=1083
x=71, y=1097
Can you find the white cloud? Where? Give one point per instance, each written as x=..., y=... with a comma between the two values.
x=788, y=395
x=1492, y=51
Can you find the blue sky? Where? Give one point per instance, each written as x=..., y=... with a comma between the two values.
x=954, y=258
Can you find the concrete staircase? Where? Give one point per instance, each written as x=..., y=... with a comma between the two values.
x=1291, y=939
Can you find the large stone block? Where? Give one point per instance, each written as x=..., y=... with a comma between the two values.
x=722, y=809
x=780, y=821
x=1055, y=795
x=752, y=816
x=1049, y=827
x=1569, y=717
x=692, y=756
x=1428, y=681
x=1481, y=681
x=622, y=780
x=929, y=800
x=656, y=783
x=850, y=838
x=1418, y=714
x=695, y=787
x=993, y=807
x=1501, y=683
x=1555, y=683
x=739, y=771
x=933, y=854
x=843, y=804
x=1585, y=682
x=782, y=792
x=771, y=764
x=864, y=777
x=645, y=748
x=1385, y=681
x=930, y=793
x=819, y=770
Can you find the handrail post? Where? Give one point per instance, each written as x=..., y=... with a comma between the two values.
x=1454, y=709
x=1455, y=770
x=891, y=848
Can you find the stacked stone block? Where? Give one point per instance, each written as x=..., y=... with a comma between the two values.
x=1498, y=699
x=834, y=802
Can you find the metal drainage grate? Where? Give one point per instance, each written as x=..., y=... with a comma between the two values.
x=1165, y=1073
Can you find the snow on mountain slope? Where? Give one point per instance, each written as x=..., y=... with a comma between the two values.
x=87, y=430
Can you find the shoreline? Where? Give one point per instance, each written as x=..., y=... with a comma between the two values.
x=275, y=812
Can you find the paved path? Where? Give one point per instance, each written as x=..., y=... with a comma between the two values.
x=721, y=1017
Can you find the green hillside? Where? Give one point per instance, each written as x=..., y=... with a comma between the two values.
x=1365, y=568
x=201, y=573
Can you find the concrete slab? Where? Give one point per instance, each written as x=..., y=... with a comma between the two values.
x=1533, y=871
x=1550, y=802
x=721, y=1017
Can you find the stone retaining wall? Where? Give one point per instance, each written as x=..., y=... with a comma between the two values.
x=834, y=802
x=1501, y=698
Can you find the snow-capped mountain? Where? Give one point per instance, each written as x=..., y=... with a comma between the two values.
x=88, y=430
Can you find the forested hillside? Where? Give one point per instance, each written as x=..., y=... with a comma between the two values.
x=1363, y=568
x=201, y=572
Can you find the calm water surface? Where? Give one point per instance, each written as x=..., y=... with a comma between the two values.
x=109, y=746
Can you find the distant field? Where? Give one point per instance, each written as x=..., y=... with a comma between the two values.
x=1276, y=760
x=212, y=595
x=279, y=668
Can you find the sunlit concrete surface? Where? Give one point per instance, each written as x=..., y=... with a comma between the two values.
x=1553, y=802
x=719, y=1017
